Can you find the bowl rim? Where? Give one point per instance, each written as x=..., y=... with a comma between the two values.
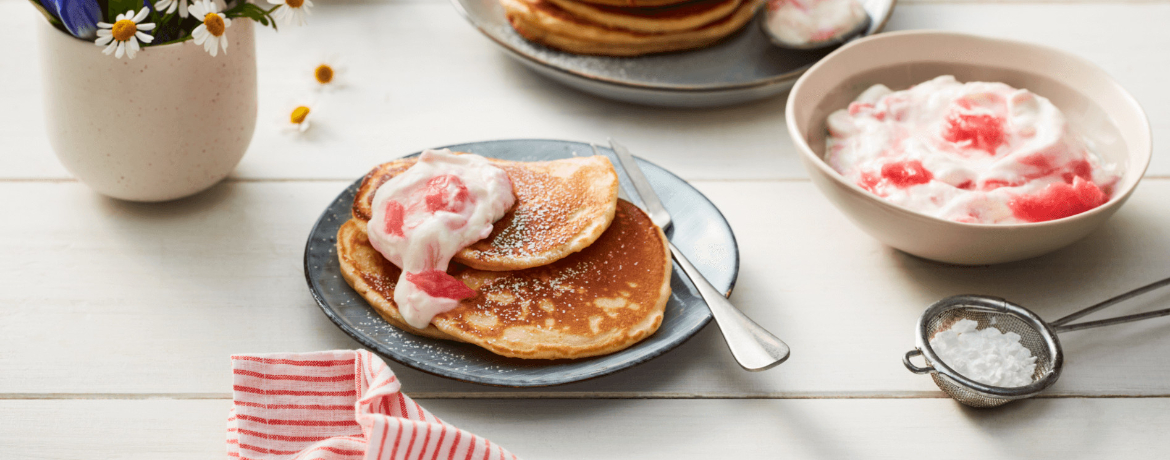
x=811, y=158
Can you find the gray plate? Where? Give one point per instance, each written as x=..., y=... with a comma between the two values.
x=699, y=230
x=742, y=68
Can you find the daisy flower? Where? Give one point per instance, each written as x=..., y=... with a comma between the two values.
x=210, y=34
x=292, y=12
x=169, y=6
x=123, y=35
x=295, y=118
x=329, y=73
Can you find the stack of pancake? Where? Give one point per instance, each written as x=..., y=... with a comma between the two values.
x=570, y=271
x=627, y=27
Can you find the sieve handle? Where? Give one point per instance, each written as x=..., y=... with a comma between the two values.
x=912, y=367
x=1062, y=325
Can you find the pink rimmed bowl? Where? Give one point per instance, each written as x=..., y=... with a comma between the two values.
x=1091, y=100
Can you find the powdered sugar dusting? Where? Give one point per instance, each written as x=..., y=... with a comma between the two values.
x=986, y=356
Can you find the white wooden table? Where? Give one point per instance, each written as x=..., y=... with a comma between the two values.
x=117, y=319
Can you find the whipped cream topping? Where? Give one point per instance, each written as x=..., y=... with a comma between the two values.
x=987, y=356
x=976, y=153
x=801, y=22
x=425, y=215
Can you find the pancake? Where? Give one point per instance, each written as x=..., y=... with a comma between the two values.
x=543, y=22
x=562, y=206
x=374, y=277
x=663, y=19
x=636, y=3
x=603, y=299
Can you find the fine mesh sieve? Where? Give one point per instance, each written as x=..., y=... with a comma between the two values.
x=1036, y=335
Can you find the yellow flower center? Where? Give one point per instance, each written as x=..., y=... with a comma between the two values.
x=123, y=30
x=324, y=74
x=214, y=24
x=299, y=114
x=294, y=3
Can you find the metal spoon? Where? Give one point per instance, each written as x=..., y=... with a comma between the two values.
x=752, y=346
x=858, y=29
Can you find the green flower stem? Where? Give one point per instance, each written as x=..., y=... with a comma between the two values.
x=117, y=7
x=253, y=12
x=177, y=40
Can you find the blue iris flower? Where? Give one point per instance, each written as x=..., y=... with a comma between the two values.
x=80, y=17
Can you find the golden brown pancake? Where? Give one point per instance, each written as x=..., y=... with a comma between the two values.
x=562, y=206
x=663, y=19
x=603, y=299
x=636, y=3
x=374, y=277
x=543, y=22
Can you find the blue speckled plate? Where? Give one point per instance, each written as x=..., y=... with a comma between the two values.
x=744, y=67
x=699, y=230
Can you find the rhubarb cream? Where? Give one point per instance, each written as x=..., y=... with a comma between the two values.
x=803, y=22
x=977, y=152
x=425, y=215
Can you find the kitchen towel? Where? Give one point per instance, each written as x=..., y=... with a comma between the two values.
x=336, y=405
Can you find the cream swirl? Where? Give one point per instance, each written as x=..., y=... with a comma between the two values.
x=425, y=215
x=977, y=152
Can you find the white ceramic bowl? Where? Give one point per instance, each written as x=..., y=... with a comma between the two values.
x=1091, y=100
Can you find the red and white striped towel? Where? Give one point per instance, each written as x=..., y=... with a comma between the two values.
x=337, y=405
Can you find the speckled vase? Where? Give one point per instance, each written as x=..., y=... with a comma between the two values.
x=167, y=124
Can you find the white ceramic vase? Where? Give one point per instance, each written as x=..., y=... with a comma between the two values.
x=167, y=124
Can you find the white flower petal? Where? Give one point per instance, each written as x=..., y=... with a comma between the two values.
x=120, y=50
x=147, y=26
x=226, y=21
x=223, y=41
x=105, y=25
x=183, y=8
x=145, y=38
x=132, y=47
x=214, y=50
x=304, y=125
x=105, y=33
x=141, y=15
x=200, y=34
x=290, y=16
x=103, y=41
x=110, y=49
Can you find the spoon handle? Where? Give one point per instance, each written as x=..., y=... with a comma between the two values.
x=753, y=347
